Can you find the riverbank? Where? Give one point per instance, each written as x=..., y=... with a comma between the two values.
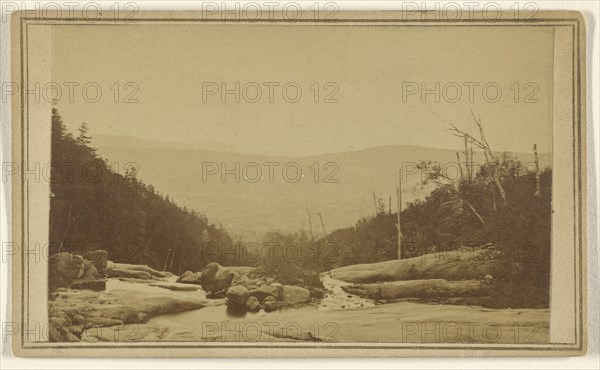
x=338, y=318
x=134, y=309
x=400, y=322
x=73, y=312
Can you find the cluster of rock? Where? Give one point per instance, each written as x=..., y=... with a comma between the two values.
x=245, y=289
x=214, y=279
x=77, y=272
x=90, y=270
x=268, y=297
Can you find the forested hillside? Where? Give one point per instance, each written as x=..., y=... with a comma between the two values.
x=470, y=214
x=433, y=224
x=94, y=206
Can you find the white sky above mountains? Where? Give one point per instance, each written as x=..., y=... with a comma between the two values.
x=368, y=68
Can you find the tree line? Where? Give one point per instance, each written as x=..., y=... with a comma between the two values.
x=502, y=203
x=94, y=206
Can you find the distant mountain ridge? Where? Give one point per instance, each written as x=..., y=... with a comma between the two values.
x=187, y=173
x=105, y=141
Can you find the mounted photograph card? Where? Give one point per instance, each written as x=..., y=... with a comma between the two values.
x=311, y=183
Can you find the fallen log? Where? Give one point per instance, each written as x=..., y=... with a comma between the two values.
x=430, y=288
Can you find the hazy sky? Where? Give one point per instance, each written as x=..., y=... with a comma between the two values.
x=369, y=65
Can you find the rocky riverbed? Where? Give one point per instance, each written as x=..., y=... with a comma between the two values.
x=172, y=315
x=362, y=303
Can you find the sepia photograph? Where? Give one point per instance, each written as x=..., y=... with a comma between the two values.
x=332, y=181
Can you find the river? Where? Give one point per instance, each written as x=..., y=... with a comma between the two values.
x=343, y=317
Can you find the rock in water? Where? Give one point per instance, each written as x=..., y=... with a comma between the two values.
x=271, y=304
x=237, y=296
x=269, y=299
x=295, y=295
x=265, y=291
x=215, y=278
x=252, y=304
x=189, y=277
x=99, y=258
x=186, y=274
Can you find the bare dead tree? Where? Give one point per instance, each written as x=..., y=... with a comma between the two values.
x=375, y=203
x=443, y=180
x=172, y=258
x=62, y=242
x=399, y=229
x=474, y=211
x=472, y=174
x=462, y=175
x=181, y=264
x=323, y=226
x=467, y=159
x=147, y=256
x=489, y=155
x=312, y=235
x=401, y=253
x=167, y=259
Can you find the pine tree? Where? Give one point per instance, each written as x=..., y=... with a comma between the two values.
x=83, y=137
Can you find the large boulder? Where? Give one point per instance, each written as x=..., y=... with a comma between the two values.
x=189, y=277
x=271, y=304
x=295, y=295
x=89, y=270
x=66, y=266
x=265, y=291
x=237, y=296
x=252, y=304
x=186, y=274
x=99, y=258
x=250, y=281
x=215, y=278
x=126, y=270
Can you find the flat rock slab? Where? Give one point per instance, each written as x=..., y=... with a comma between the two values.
x=431, y=288
x=135, y=280
x=71, y=309
x=95, y=285
x=126, y=270
x=177, y=287
x=450, y=265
